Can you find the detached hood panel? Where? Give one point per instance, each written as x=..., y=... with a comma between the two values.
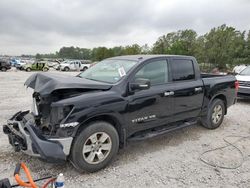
x=46, y=83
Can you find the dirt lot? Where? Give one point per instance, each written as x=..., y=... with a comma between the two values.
x=169, y=160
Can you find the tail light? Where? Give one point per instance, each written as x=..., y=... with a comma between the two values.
x=236, y=84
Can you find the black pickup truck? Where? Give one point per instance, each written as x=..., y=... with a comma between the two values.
x=85, y=119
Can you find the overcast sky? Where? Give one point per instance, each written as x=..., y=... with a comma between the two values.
x=30, y=26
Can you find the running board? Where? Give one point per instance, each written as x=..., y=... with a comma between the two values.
x=160, y=131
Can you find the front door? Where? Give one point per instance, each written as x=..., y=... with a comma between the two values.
x=151, y=107
x=72, y=65
x=77, y=65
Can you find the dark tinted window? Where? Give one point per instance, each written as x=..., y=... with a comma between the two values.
x=156, y=72
x=182, y=69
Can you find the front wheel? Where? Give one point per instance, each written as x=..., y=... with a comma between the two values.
x=95, y=147
x=28, y=69
x=215, y=114
x=66, y=69
x=4, y=69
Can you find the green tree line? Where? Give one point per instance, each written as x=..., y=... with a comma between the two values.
x=221, y=47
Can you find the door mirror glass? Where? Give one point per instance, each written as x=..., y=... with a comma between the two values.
x=140, y=84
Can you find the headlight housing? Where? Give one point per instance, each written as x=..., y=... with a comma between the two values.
x=59, y=114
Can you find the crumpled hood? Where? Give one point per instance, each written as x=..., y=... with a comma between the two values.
x=46, y=83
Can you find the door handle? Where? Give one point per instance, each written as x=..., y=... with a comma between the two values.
x=198, y=89
x=168, y=93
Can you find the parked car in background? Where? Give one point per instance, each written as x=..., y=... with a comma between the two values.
x=14, y=62
x=73, y=65
x=244, y=83
x=4, y=65
x=19, y=65
x=36, y=66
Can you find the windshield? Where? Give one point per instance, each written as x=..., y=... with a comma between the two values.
x=110, y=70
x=246, y=71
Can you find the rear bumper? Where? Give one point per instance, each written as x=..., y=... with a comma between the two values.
x=25, y=137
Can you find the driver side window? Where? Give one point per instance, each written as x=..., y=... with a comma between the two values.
x=156, y=72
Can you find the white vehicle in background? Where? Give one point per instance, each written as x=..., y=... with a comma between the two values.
x=73, y=65
x=244, y=83
x=237, y=69
x=21, y=64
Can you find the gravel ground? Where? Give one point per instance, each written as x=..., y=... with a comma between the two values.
x=169, y=160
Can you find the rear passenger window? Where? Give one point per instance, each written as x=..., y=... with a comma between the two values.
x=182, y=69
x=156, y=72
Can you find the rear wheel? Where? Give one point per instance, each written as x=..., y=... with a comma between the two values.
x=66, y=68
x=45, y=69
x=85, y=68
x=215, y=114
x=95, y=147
x=4, y=69
x=28, y=69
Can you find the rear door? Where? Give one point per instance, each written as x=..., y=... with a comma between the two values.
x=188, y=91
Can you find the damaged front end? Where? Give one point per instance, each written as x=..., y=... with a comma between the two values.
x=44, y=131
x=47, y=130
x=25, y=136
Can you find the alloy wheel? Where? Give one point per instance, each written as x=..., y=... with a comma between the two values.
x=217, y=114
x=97, y=147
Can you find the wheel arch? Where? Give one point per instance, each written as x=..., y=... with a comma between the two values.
x=66, y=67
x=221, y=97
x=109, y=119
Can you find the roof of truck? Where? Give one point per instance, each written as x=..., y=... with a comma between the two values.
x=144, y=57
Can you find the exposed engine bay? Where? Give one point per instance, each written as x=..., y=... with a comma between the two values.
x=51, y=88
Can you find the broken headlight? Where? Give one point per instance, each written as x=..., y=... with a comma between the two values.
x=59, y=114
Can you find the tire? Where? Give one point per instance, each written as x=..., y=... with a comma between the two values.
x=45, y=69
x=66, y=69
x=85, y=68
x=215, y=115
x=84, y=154
x=4, y=69
x=28, y=69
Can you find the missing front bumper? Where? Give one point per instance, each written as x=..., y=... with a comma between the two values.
x=24, y=136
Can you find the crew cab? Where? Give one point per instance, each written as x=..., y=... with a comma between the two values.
x=85, y=119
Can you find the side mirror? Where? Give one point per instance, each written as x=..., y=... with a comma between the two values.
x=140, y=84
